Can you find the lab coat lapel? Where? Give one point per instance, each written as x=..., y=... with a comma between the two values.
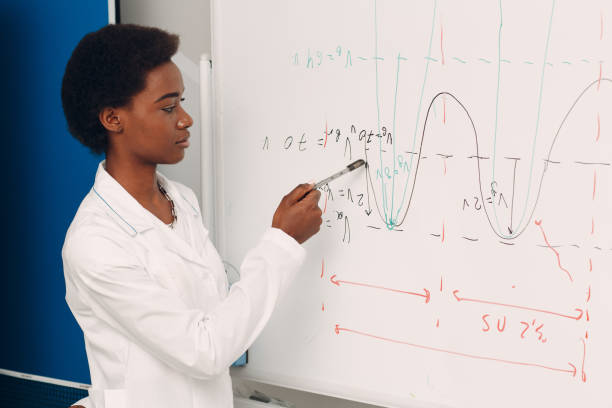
x=171, y=240
x=132, y=217
x=135, y=219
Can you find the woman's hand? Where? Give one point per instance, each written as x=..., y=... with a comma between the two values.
x=298, y=213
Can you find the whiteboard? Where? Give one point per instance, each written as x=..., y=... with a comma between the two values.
x=470, y=265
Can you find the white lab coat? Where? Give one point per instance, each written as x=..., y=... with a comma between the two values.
x=160, y=327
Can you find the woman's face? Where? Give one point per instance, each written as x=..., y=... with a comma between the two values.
x=154, y=123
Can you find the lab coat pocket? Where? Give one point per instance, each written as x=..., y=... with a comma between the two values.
x=165, y=268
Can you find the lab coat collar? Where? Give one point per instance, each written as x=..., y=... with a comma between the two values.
x=124, y=208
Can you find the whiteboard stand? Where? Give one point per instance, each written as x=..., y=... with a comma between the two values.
x=208, y=186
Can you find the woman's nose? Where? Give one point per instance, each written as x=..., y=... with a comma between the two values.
x=185, y=121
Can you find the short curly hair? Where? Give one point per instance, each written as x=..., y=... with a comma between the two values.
x=106, y=69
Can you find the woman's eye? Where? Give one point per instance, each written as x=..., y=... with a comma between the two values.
x=169, y=109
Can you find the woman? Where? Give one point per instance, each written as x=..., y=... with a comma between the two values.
x=143, y=279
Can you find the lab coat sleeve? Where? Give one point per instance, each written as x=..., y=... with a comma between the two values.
x=264, y=276
x=200, y=343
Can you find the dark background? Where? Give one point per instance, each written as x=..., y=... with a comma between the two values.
x=44, y=175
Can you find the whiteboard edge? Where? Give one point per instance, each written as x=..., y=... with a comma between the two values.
x=217, y=130
x=48, y=380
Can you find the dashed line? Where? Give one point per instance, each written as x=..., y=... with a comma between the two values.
x=600, y=72
x=444, y=107
x=546, y=246
x=592, y=163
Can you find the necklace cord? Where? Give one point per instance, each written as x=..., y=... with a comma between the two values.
x=173, y=210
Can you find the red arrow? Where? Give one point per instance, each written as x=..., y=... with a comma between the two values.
x=533, y=309
x=425, y=295
x=572, y=371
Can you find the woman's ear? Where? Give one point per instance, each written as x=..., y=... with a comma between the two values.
x=110, y=119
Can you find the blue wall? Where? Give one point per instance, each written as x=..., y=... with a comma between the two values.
x=44, y=175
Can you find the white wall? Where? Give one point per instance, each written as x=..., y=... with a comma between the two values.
x=190, y=19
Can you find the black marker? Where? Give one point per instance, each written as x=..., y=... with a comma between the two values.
x=354, y=165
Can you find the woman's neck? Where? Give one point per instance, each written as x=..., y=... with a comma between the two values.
x=140, y=180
